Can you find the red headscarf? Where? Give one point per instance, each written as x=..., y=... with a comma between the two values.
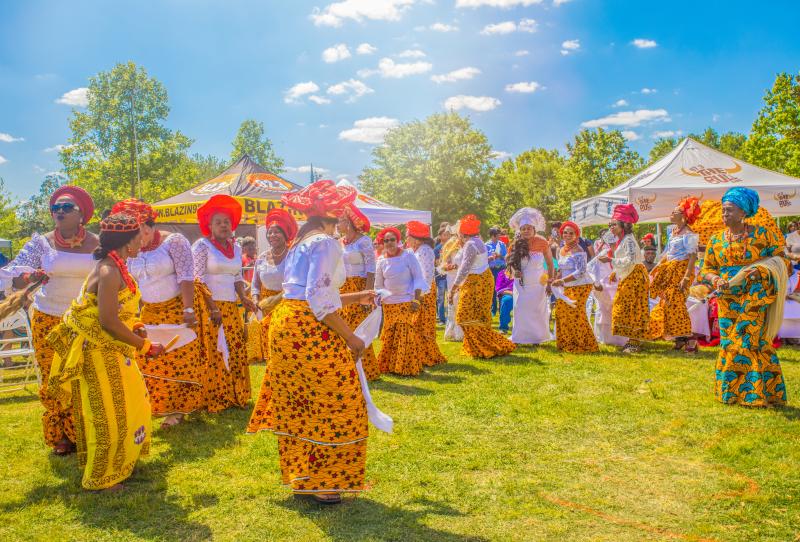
x=322, y=198
x=81, y=198
x=358, y=218
x=135, y=207
x=569, y=224
x=625, y=212
x=220, y=203
x=690, y=207
x=649, y=237
x=384, y=231
x=284, y=220
x=418, y=229
x=469, y=225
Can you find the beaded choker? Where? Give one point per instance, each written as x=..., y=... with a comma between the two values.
x=73, y=242
x=154, y=242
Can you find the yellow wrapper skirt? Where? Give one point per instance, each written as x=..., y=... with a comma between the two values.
x=401, y=343
x=474, y=315
x=227, y=387
x=630, y=314
x=574, y=333
x=670, y=318
x=425, y=325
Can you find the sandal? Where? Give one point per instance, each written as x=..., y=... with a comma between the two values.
x=327, y=498
x=691, y=347
x=680, y=343
x=171, y=421
x=64, y=447
x=631, y=349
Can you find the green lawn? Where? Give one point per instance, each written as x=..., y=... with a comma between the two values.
x=535, y=446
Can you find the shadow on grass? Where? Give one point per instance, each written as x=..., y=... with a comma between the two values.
x=428, y=376
x=19, y=397
x=365, y=519
x=789, y=412
x=396, y=387
x=203, y=435
x=456, y=368
x=517, y=359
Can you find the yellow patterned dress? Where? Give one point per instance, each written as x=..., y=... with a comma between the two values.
x=670, y=318
x=474, y=311
x=574, y=333
x=426, y=316
x=99, y=376
x=748, y=371
x=630, y=314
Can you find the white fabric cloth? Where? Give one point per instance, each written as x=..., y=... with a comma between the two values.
x=216, y=271
x=452, y=331
x=159, y=272
x=164, y=333
x=527, y=216
x=626, y=256
x=793, y=242
x=268, y=275
x=531, y=307
x=682, y=246
x=67, y=272
x=473, y=259
x=790, y=327
x=401, y=275
x=427, y=263
x=359, y=257
x=368, y=330
x=604, y=300
x=314, y=273
x=698, y=314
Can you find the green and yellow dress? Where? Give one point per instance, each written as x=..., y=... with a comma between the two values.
x=99, y=376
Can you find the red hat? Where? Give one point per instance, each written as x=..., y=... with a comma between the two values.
x=690, y=207
x=322, y=198
x=142, y=211
x=418, y=229
x=81, y=198
x=284, y=220
x=569, y=224
x=469, y=225
x=358, y=218
x=384, y=231
x=625, y=212
x=119, y=223
x=649, y=237
x=220, y=203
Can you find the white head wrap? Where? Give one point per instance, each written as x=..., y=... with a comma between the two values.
x=527, y=216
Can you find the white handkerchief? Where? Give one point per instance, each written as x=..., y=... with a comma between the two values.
x=368, y=331
x=222, y=346
x=558, y=291
x=163, y=333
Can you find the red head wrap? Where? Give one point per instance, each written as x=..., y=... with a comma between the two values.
x=358, y=218
x=469, y=225
x=569, y=224
x=284, y=220
x=390, y=229
x=220, y=203
x=322, y=198
x=690, y=207
x=119, y=222
x=649, y=237
x=418, y=229
x=81, y=198
x=625, y=212
x=135, y=207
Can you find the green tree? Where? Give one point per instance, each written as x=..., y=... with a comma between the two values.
x=9, y=225
x=34, y=216
x=119, y=146
x=774, y=141
x=662, y=147
x=441, y=163
x=250, y=139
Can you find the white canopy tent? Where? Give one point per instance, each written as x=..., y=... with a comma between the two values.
x=690, y=169
x=383, y=214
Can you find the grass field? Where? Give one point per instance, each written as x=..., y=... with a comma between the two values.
x=538, y=445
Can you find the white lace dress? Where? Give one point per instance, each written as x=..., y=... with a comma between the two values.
x=531, y=306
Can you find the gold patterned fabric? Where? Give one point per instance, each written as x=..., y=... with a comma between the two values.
x=574, y=334
x=474, y=315
x=226, y=387
x=355, y=314
x=401, y=344
x=99, y=376
x=630, y=314
x=425, y=325
x=670, y=318
x=265, y=392
x=57, y=421
x=315, y=407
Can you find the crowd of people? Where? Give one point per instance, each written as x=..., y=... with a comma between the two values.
x=105, y=300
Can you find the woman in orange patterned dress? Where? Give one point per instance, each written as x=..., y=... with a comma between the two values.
x=359, y=264
x=419, y=241
x=218, y=265
x=474, y=285
x=398, y=271
x=64, y=257
x=316, y=406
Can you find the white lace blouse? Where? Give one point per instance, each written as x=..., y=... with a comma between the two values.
x=626, y=257
x=216, y=271
x=401, y=275
x=474, y=259
x=682, y=246
x=67, y=272
x=427, y=262
x=359, y=257
x=267, y=275
x=574, y=265
x=159, y=272
x=314, y=273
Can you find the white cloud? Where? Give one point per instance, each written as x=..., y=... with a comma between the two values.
x=715, y=117
x=366, y=49
x=323, y=126
x=476, y=103
x=525, y=87
x=461, y=74
x=501, y=155
x=2, y=159
x=507, y=27
x=557, y=3
x=56, y=148
x=319, y=100
x=8, y=138
x=495, y=3
x=336, y=53
x=642, y=43
x=411, y=53
x=522, y=52
x=630, y=135
x=294, y=94
x=570, y=46
x=334, y=14
x=353, y=88
x=620, y=103
x=648, y=91
x=371, y=130
x=306, y=169
x=38, y=169
x=442, y=27
x=666, y=133
x=77, y=97
x=629, y=119
x=389, y=69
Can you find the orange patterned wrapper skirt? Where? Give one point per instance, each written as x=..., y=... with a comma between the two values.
x=315, y=405
x=474, y=315
x=354, y=315
x=426, y=327
x=630, y=314
x=670, y=318
x=228, y=386
x=401, y=344
x=574, y=334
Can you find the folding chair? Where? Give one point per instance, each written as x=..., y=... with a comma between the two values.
x=18, y=367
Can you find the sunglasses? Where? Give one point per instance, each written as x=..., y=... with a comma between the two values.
x=66, y=207
x=389, y=240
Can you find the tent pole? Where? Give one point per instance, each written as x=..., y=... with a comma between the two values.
x=658, y=236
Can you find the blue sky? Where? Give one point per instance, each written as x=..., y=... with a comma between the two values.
x=328, y=78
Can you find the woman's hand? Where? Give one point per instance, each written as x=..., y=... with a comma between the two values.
x=216, y=316
x=190, y=319
x=558, y=282
x=754, y=274
x=415, y=305
x=604, y=259
x=356, y=346
x=140, y=330
x=684, y=284
x=368, y=298
x=249, y=305
x=156, y=349
x=598, y=287
x=36, y=276
x=451, y=296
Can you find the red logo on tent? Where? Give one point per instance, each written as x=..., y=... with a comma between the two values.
x=715, y=175
x=268, y=181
